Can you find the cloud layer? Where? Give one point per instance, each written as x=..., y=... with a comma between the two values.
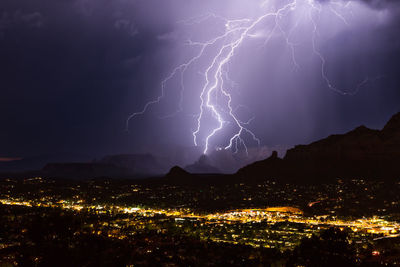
x=73, y=71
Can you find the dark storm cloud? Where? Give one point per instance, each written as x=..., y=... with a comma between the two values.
x=371, y=3
x=10, y=20
x=381, y=3
x=67, y=69
x=72, y=71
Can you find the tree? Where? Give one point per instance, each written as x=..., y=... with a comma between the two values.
x=330, y=248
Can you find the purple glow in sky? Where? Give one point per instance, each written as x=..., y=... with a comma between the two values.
x=220, y=46
x=225, y=75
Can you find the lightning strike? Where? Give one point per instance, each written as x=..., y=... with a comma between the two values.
x=216, y=100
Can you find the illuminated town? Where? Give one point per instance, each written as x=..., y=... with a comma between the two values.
x=112, y=210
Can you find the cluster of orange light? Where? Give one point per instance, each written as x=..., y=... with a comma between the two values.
x=374, y=225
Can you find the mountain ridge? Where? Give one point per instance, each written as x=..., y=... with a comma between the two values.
x=360, y=153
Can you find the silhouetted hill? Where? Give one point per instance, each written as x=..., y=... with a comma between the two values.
x=83, y=170
x=361, y=153
x=38, y=162
x=255, y=171
x=203, y=165
x=178, y=172
x=129, y=165
x=177, y=175
x=145, y=164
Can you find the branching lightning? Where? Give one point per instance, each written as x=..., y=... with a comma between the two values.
x=216, y=99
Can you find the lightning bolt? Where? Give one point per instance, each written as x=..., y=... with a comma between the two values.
x=216, y=100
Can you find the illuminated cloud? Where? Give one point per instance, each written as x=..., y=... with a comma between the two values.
x=9, y=159
x=73, y=71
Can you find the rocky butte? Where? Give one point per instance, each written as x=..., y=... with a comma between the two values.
x=362, y=153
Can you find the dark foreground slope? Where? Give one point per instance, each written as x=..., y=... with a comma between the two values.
x=361, y=153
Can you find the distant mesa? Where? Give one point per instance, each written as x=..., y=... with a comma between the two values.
x=38, y=162
x=82, y=170
x=127, y=165
x=145, y=164
x=203, y=166
x=361, y=153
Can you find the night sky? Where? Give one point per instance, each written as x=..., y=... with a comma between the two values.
x=73, y=71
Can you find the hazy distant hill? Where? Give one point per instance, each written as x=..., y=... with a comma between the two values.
x=361, y=153
x=202, y=165
x=38, y=162
x=83, y=170
x=137, y=163
x=127, y=165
